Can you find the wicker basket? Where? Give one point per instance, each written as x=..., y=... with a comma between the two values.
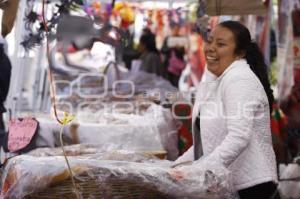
x=91, y=186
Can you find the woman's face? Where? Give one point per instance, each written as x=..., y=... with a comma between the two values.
x=219, y=50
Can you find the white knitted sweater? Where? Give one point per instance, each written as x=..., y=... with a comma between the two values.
x=235, y=125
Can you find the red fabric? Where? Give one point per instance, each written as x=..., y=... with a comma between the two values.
x=197, y=62
x=185, y=132
x=279, y=134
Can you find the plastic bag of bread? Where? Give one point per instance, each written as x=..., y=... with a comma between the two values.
x=38, y=177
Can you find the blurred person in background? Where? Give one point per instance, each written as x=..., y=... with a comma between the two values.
x=130, y=53
x=173, y=56
x=150, y=57
x=5, y=73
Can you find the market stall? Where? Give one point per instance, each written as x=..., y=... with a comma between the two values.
x=97, y=127
x=118, y=174
x=114, y=109
x=96, y=90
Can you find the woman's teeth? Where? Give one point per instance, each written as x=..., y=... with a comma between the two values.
x=211, y=58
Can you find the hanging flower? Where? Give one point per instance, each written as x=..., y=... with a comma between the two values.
x=67, y=118
x=118, y=6
x=127, y=16
x=96, y=5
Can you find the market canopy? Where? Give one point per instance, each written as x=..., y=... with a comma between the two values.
x=235, y=7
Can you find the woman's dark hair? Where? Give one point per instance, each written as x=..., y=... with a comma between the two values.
x=148, y=40
x=252, y=53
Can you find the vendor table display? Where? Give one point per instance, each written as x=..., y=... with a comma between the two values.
x=152, y=130
x=126, y=115
x=118, y=174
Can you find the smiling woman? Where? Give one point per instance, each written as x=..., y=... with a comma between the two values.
x=231, y=114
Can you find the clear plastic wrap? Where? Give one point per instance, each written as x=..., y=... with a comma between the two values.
x=28, y=175
x=154, y=129
x=150, y=83
x=88, y=87
x=94, y=151
x=289, y=185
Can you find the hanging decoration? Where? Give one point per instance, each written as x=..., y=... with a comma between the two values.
x=127, y=16
x=193, y=12
x=202, y=22
x=34, y=25
x=100, y=13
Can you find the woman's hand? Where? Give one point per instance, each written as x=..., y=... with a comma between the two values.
x=177, y=172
